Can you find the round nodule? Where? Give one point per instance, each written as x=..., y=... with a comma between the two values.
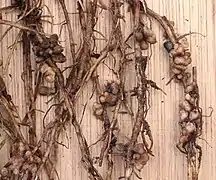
x=49, y=77
x=54, y=37
x=44, y=68
x=187, y=97
x=138, y=36
x=190, y=127
x=147, y=31
x=136, y=156
x=139, y=148
x=180, y=67
x=4, y=172
x=175, y=70
x=151, y=39
x=183, y=139
x=59, y=58
x=183, y=115
x=102, y=99
x=194, y=115
x=96, y=106
x=168, y=45
x=180, y=60
x=180, y=76
x=58, y=49
x=99, y=112
x=143, y=45
x=186, y=106
x=189, y=88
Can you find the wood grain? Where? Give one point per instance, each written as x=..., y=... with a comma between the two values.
x=168, y=163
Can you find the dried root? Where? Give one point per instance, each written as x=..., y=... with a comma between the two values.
x=191, y=127
x=48, y=52
x=180, y=58
x=144, y=36
x=190, y=113
x=27, y=158
x=140, y=160
x=140, y=156
x=23, y=163
x=177, y=47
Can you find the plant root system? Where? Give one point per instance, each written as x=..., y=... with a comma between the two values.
x=43, y=76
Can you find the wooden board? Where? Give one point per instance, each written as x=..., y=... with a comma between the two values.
x=168, y=163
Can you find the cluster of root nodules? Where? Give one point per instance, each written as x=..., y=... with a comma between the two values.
x=47, y=49
x=180, y=58
x=23, y=163
x=190, y=123
x=144, y=36
x=140, y=155
x=108, y=98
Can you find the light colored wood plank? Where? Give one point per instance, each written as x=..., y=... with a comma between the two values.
x=168, y=162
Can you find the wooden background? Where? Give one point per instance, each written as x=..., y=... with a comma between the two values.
x=168, y=163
